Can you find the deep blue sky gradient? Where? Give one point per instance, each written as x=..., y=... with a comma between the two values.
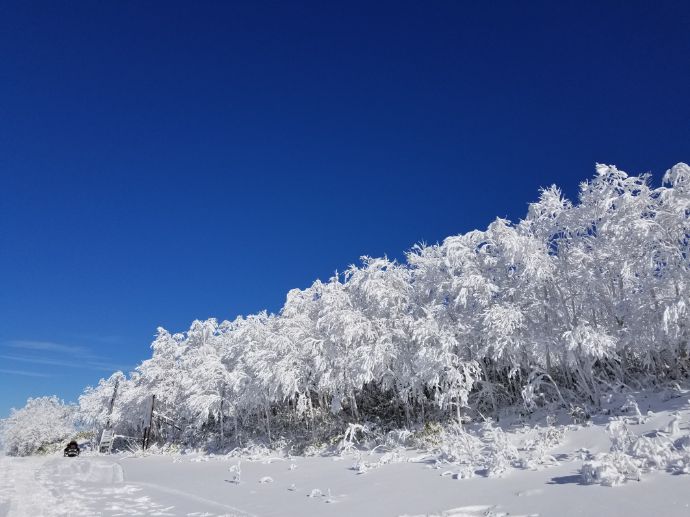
x=166, y=161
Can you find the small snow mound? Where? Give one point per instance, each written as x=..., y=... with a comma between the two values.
x=266, y=479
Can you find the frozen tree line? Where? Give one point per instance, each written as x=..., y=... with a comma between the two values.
x=574, y=300
x=42, y=422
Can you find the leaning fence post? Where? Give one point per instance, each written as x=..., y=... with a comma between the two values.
x=147, y=424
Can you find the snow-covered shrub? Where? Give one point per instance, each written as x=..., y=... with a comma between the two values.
x=536, y=449
x=579, y=414
x=611, y=469
x=533, y=393
x=40, y=426
x=614, y=468
x=653, y=453
x=458, y=446
x=354, y=434
x=429, y=437
x=621, y=437
x=681, y=465
x=632, y=409
x=550, y=437
x=398, y=438
x=631, y=455
x=500, y=452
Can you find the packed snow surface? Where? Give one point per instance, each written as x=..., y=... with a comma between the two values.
x=403, y=482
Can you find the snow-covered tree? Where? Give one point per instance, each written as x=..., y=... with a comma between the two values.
x=41, y=423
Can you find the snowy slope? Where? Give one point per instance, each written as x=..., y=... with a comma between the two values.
x=412, y=484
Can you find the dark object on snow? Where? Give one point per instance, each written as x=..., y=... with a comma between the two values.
x=72, y=449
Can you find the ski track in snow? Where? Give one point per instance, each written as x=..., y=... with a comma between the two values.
x=56, y=487
x=234, y=512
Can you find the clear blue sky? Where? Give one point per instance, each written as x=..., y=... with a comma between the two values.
x=166, y=161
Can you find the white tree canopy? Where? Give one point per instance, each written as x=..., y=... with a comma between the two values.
x=587, y=296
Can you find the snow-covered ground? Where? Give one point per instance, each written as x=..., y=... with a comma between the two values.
x=405, y=483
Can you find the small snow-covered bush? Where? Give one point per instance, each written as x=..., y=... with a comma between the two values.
x=630, y=455
x=632, y=409
x=653, y=453
x=38, y=427
x=610, y=470
x=536, y=449
x=490, y=451
x=460, y=447
x=579, y=414
x=681, y=465
x=614, y=468
x=354, y=434
x=501, y=453
x=620, y=435
x=430, y=436
x=398, y=438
